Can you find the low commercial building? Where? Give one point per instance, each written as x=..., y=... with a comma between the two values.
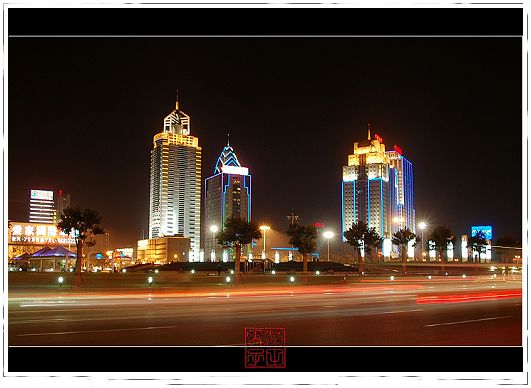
x=163, y=250
x=29, y=237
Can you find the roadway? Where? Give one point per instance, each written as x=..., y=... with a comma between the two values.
x=456, y=311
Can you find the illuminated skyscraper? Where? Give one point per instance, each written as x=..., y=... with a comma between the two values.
x=42, y=207
x=403, y=201
x=175, y=185
x=227, y=194
x=366, y=192
x=377, y=189
x=63, y=201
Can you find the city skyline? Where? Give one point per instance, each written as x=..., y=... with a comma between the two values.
x=304, y=112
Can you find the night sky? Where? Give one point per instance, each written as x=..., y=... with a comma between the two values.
x=83, y=113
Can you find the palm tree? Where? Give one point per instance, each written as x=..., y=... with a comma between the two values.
x=440, y=237
x=235, y=234
x=360, y=236
x=304, y=238
x=477, y=242
x=84, y=225
x=401, y=238
x=354, y=237
x=371, y=240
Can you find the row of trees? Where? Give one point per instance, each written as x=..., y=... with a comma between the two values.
x=238, y=233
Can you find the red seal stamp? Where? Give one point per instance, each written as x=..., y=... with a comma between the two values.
x=265, y=347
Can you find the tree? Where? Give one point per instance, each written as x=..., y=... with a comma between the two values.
x=477, y=242
x=440, y=237
x=401, y=238
x=508, y=241
x=235, y=234
x=506, y=245
x=371, y=240
x=303, y=237
x=83, y=225
x=360, y=236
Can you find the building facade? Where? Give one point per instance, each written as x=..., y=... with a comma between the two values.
x=63, y=201
x=175, y=182
x=227, y=194
x=402, y=190
x=163, y=250
x=42, y=207
x=377, y=188
x=27, y=237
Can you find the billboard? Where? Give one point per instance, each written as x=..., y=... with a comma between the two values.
x=42, y=194
x=37, y=234
x=487, y=231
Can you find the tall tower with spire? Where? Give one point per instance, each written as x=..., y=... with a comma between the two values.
x=366, y=186
x=227, y=194
x=377, y=189
x=175, y=184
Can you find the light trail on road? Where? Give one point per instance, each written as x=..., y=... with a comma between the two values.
x=412, y=313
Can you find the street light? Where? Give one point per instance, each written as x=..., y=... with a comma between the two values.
x=60, y=280
x=264, y=228
x=328, y=235
x=422, y=226
x=214, y=229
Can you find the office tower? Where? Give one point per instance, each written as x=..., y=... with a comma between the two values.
x=366, y=189
x=42, y=207
x=175, y=185
x=227, y=194
x=63, y=201
x=403, y=215
x=377, y=189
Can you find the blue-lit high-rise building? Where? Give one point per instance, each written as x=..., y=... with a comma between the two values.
x=227, y=194
x=402, y=186
x=377, y=189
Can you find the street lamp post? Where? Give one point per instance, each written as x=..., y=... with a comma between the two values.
x=328, y=235
x=214, y=229
x=264, y=228
x=422, y=226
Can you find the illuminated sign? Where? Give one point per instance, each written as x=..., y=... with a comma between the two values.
x=378, y=138
x=42, y=194
x=398, y=149
x=487, y=231
x=38, y=234
x=235, y=170
x=123, y=252
x=318, y=224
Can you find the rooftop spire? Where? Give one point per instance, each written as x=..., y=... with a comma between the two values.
x=226, y=158
x=177, y=100
x=228, y=138
x=369, y=130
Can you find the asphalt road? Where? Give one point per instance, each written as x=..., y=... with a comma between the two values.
x=447, y=311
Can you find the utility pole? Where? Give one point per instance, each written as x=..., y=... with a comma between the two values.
x=292, y=219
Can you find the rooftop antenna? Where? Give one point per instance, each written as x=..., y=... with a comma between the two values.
x=177, y=100
x=369, y=129
x=228, y=138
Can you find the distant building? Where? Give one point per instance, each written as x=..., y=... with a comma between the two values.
x=175, y=183
x=42, y=207
x=377, y=189
x=63, y=201
x=163, y=250
x=227, y=194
